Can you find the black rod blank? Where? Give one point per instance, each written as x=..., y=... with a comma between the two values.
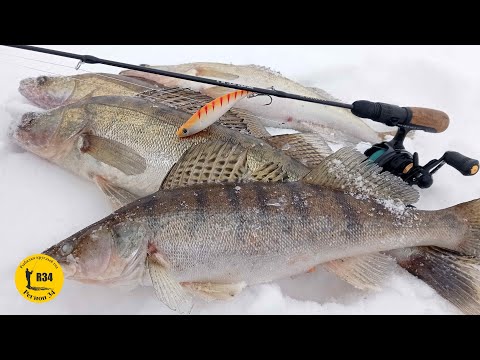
x=88, y=59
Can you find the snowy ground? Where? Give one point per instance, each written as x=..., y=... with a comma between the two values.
x=41, y=204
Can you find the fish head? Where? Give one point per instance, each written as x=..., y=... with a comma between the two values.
x=50, y=134
x=48, y=92
x=109, y=251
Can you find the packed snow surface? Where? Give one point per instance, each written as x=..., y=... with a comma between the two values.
x=40, y=203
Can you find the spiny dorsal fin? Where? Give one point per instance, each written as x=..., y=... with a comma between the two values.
x=190, y=101
x=244, y=119
x=210, y=72
x=213, y=161
x=348, y=170
x=269, y=172
x=322, y=94
x=309, y=149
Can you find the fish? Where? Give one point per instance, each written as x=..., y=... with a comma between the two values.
x=209, y=241
x=127, y=145
x=337, y=125
x=88, y=139
x=48, y=92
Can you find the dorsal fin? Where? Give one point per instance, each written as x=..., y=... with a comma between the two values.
x=351, y=171
x=220, y=161
x=309, y=149
x=213, y=161
x=190, y=101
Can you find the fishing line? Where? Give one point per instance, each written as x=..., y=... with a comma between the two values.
x=34, y=266
x=166, y=90
x=31, y=59
x=41, y=71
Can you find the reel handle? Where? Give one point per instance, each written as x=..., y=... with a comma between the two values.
x=414, y=118
x=462, y=163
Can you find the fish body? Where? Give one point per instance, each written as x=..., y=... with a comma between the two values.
x=247, y=234
x=335, y=124
x=262, y=232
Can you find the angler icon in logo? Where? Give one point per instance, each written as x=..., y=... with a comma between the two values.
x=27, y=275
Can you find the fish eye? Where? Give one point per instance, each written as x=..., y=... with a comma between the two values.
x=41, y=80
x=184, y=130
x=66, y=248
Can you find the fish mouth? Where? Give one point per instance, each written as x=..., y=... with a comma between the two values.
x=22, y=131
x=68, y=269
x=28, y=88
x=68, y=263
x=27, y=120
x=35, y=91
x=36, y=132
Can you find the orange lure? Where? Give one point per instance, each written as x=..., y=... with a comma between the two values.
x=210, y=113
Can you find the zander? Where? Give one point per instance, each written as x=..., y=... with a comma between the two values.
x=212, y=240
x=334, y=124
x=128, y=144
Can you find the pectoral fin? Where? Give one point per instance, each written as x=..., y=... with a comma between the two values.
x=117, y=196
x=167, y=289
x=363, y=272
x=113, y=153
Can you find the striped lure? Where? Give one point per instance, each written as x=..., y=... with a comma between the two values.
x=211, y=112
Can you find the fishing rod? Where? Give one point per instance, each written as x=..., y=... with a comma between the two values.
x=391, y=155
x=413, y=118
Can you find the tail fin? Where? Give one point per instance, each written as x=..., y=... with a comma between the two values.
x=470, y=212
x=456, y=277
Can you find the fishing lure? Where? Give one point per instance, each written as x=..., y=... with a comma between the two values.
x=211, y=112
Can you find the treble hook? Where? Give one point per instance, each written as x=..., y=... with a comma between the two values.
x=256, y=94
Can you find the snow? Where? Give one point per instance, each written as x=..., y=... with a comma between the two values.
x=41, y=204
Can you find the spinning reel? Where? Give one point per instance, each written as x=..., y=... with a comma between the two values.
x=392, y=155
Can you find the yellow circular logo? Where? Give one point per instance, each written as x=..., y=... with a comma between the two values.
x=39, y=278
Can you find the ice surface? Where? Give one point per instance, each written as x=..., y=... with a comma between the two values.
x=41, y=204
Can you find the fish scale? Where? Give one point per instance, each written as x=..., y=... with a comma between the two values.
x=179, y=219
